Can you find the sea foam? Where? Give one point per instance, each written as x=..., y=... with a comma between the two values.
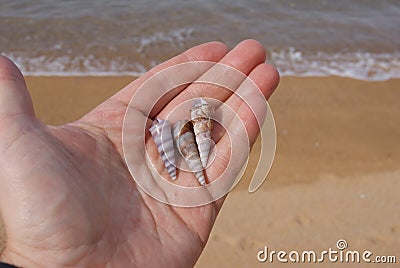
x=289, y=62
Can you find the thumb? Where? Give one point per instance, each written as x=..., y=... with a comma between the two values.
x=14, y=96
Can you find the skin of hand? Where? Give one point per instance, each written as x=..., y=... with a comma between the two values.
x=66, y=195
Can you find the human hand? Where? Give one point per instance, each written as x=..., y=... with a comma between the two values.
x=66, y=195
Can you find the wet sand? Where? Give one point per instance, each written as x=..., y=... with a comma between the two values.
x=335, y=175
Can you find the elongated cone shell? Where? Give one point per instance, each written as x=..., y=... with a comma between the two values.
x=186, y=144
x=162, y=135
x=201, y=114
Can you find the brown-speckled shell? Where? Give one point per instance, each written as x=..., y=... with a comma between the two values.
x=186, y=145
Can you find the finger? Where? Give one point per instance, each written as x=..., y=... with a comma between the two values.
x=244, y=126
x=14, y=97
x=212, y=51
x=16, y=110
x=265, y=78
x=242, y=59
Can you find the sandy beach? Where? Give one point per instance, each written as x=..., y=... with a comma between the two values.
x=335, y=176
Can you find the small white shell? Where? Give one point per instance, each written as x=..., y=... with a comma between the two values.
x=201, y=114
x=185, y=143
x=161, y=133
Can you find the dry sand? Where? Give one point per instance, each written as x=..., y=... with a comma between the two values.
x=361, y=209
x=335, y=176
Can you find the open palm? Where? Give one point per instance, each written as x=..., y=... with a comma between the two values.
x=66, y=195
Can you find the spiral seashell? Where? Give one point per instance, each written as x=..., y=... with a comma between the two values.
x=186, y=144
x=201, y=114
x=161, y=133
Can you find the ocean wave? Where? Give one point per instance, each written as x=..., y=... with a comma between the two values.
x=74, y=66
x=358, y=65
x=290, y=62
x=175, y=37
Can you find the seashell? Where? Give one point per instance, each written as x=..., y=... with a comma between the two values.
x=201, y=114
x=161, y=133
x=186, y=144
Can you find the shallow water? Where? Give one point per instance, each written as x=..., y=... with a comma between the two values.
x=355, y=38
